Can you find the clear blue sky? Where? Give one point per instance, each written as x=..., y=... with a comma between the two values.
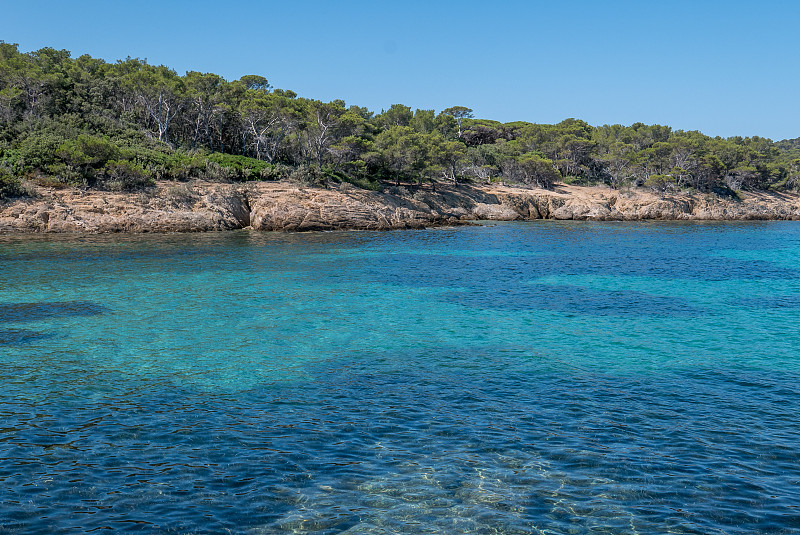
x=722, y=67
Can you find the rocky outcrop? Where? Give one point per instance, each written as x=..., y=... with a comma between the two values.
x=203, y=206
x=299, y=209
x=604, y=204
x=171, y=208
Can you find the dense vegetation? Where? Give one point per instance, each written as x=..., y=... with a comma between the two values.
x=85, y=122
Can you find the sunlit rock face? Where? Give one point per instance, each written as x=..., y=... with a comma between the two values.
x=203, y=206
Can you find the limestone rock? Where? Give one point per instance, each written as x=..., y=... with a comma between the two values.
x=205, y=206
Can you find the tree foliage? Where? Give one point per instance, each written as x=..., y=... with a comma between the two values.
x=89, y=123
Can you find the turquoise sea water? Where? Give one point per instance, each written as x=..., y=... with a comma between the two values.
x=535, y=377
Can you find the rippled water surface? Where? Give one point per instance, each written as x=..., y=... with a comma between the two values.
x=535, y=377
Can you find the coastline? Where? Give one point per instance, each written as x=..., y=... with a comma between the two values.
x=284, y=206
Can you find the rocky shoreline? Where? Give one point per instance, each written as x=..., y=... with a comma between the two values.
x=206, y=206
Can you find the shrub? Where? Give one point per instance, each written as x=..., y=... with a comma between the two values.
x=123, y=175
x=10, y=186
x=363, y=183
x=61, y=175
x=81, y=159
x=308, y=175
x=38, y=150
x=355, y=174
x=181, y=166
x=243, y=168
x=153, y=160
x=10, y=162
x=217, y=173
x=661, y=182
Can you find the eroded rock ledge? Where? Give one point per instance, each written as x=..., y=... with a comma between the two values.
x=203, y=206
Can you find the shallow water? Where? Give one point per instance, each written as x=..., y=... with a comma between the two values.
x=536, y=377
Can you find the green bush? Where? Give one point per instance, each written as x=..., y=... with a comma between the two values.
x=10, y=162
x=123, y=175
x=661, y=182
x=61, y=175
x=38, y=150
x=184, y=166
x=242, y=168
x=217, y=173
x=355, y=173
x=361, y=182
x=309, y=175
x=10, y=186
x=80, y=160
x=153, y=160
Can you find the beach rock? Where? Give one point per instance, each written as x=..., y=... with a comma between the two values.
x=303, y=209
x=205, y=206
x=495, y=212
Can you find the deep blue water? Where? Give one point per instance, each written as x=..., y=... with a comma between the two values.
x=536, y=377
